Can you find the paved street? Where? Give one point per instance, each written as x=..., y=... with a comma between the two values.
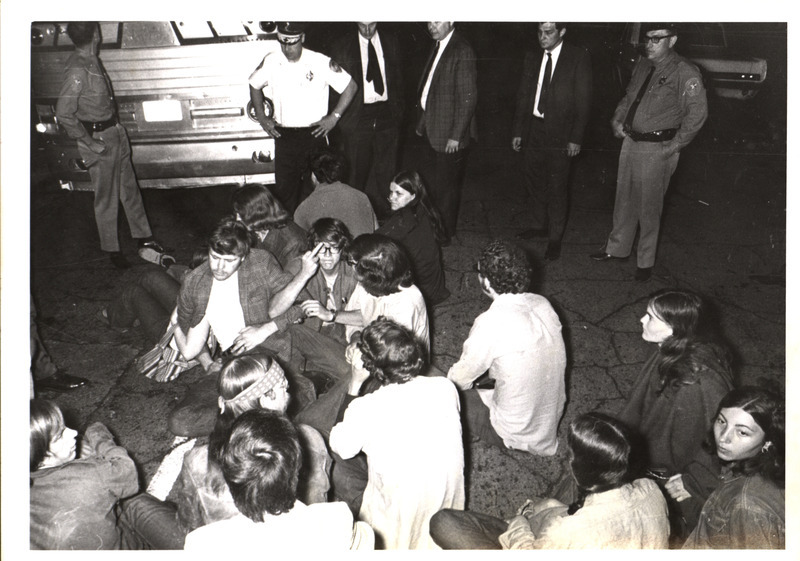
x=723, y=235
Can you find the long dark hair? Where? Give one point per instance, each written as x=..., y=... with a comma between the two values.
x=390, y=354
x=693, y=343
x=768, y=410
x=412, y=182
x=601, y=455
x=259, y=209
x=380, y=263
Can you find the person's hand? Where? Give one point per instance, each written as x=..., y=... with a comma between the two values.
x=452, y=146
x=358, y=374
x=315, y=309
x=324, y=125
x=309, y=262
x=214, y=367
x=668, y=150
x=269, y=124
x=516, y=143
x=675, y=488
x=249, y=338
x=573, y=149
x=173, y=318
x=616, y=128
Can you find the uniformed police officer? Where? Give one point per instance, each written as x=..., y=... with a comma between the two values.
x=297, y=82
x=87, y=111
x=663, y=109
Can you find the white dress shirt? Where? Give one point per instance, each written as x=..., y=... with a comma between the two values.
x=370, y=96
x=442, y=46
x=554, y=56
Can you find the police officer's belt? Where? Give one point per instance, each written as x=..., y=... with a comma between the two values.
x=655, y=136
x=98, y=126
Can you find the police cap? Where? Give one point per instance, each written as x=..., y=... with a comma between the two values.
x=291, y=28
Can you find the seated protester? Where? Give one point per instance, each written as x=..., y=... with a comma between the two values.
x=73, y=494
x=410, y=430
x=518, y=341
x=264, y=215
x=615, y=510
x=231, y=294
x=747, y=510
x=261, y=464
x=201, y=494
x=416, y=225
x=333, y=199
x=322, y=290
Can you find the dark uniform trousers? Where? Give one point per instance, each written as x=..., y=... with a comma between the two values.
x=293, y=152
x=546, y=173
x=443, y=177
x=114, y=181
x=642, y=182
x=371, y=146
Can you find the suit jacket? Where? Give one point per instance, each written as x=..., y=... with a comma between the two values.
x=568, y=100
x=346, y=51
x=453, y=95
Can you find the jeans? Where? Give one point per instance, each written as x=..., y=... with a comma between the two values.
x=150, y=299
x=475, y=416
x=459, y=529
x=148, y=523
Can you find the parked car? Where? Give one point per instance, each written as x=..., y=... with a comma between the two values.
x=182, y=94
x=727, y=73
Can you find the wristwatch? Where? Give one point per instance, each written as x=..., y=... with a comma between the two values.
x=333, y=317
x=337, y=115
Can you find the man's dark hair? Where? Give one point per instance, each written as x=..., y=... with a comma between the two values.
x=259, y=209
x=230, y=237
x=381, y=265
x=327, y=167
x=81, y=32
x=559, y=25
x=331, y=231
x=261, y=463
x=506, y=267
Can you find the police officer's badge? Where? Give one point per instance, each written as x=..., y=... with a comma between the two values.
x=692, y=87
x=335, y=66
x=310, y=76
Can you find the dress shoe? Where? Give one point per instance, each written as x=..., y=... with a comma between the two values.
x=60, y=382
x=533, y=233
x=643, y=274
x=118, y=260
x=553, y=251
x=603, y=256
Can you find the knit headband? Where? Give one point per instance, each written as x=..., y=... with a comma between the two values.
x=264, y=384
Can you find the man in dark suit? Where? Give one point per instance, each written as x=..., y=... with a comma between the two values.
x=371, y=124
x=448, y=94
x=548, y=127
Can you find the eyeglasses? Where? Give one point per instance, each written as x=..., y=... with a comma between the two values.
x=330, y=250
x=288, y=42
x=655, y=40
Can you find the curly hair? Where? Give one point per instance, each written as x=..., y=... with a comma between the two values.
x=381, y=264
x=327, y=167
x=331, y=231
x=390, y=354
x=768, y=410
x=506, y=267
x=258, y=208
x=693, y=345
x=261, y=463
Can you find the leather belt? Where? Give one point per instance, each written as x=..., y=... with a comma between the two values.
x=654, y=136
x=99, y=126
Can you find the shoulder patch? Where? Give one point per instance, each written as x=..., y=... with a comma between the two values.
x=335, y=66
x=692, y=86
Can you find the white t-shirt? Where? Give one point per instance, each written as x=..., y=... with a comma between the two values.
x=299, y=90
x=224, y=310
x=406, y=307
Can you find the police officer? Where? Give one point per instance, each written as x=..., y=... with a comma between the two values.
x=297, y=82
x=87, y=111
x=663, y=109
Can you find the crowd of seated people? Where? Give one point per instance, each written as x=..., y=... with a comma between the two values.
x=369, y=451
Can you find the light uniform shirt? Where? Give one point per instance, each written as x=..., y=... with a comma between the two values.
x=318, y=527
x=518, y=340
x=299, y=90
x=554, y=54
x=224, y=310
x=406, y=307
x=369, y=90
x=442, y=46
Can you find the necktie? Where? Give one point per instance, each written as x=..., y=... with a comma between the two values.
x=428, y=69
x=632, y=110
x=548, y=72
x=374, y=69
